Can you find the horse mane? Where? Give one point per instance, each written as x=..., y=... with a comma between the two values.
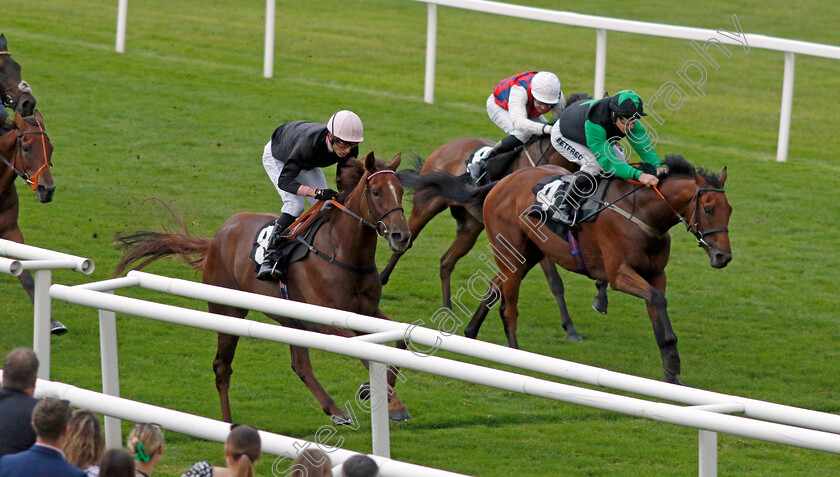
x=575, y=97
x=679, y=166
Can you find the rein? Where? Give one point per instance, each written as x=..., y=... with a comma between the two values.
x=33, y=182
x=695, y=229
x=382, y=232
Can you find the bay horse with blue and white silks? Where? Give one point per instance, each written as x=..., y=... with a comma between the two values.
x=342, y=274
x=25, y=152
x=14, y=92
x=628, y=248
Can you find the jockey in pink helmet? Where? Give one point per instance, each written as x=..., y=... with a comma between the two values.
x=293, y=159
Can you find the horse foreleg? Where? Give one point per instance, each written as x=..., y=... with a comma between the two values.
x=467, y=233
x=555, y=284
x=653, y=292
x=600, y=302
x=421, y=214
x=28, y=284
x=490, y=298
x=396, y=408
x=222, y=367
x=302, y=366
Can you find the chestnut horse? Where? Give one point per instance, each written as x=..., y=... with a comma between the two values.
x=347, y=281
x=629, y=254
x=15, y=93
x=25, y=152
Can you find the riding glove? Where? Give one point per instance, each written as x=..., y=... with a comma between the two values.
x=325, y=194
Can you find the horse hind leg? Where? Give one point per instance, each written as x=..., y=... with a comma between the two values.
x=222, y=363
x=28, y=284
x=600, y=302
x=491, y=297
x=555, y=284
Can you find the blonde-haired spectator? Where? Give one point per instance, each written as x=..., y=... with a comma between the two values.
x=145, y=442
x=84, y=444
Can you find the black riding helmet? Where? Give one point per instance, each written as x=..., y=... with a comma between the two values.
x=627, y=103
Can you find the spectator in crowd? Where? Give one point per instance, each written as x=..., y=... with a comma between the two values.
x=117, y=463
x=312, y=463
x=242, y=449
x=145, y=442
x=84, y=444
x=20, y=370
x=46, y=457
x=360, y=466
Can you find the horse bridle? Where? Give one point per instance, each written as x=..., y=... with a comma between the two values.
x=23, y=86
x=383, y=230
x=33, y=181
x=694, y=229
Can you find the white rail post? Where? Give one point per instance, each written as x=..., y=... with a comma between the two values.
x=268, y=59
x=380, y=433
x=707, y=444
x=122, y=14
x=787, y=106
x=600, y=62
x=110, y=371
x=41, y=332
x=431, y=46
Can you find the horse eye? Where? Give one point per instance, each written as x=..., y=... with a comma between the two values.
x=26, y=149
x=708, y=210
x=375, y=193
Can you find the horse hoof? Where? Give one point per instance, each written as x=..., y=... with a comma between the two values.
x=57, y=328
x=574, y=338
x=363, y=393
x=600, y=307
x=399, y=415
x=673, y=379
x=342, y=419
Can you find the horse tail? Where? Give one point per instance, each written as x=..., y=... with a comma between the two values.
x=458, y=189
x=149, y=246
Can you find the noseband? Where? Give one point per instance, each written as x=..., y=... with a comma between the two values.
x=383, y=231
x=33, y=181
x=694, y=226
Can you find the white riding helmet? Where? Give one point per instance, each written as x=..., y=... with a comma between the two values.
x=346, y=126
x=545, y=87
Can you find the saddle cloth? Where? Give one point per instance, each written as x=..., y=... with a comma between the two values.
x=289, y=250
x=479, y=154
x=549, y=193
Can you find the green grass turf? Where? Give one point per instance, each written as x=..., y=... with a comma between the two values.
x=183, y=116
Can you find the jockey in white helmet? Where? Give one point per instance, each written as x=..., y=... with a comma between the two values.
x=293, y=158
x=517, y=106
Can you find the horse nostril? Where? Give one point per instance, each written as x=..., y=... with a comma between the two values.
x=397, y=236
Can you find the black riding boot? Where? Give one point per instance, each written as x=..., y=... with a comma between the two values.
x=576, y=193
x=266, y=271
x=480, y=171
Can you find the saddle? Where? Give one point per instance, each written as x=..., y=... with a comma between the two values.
x=289, y=249
x=497, y=166
x=550, y=190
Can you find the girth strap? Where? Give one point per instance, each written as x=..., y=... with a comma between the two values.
x=333, y=261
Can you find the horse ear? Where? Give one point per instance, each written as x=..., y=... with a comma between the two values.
x=395, y=162
x=19, y=121
x=3, y=45
x=39, y=118
x=723, y=176
x=370, y=162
